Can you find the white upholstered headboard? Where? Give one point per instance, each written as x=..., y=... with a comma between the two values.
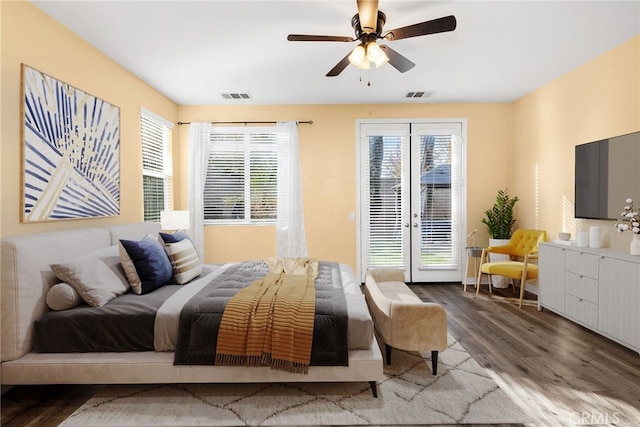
x=25, y=276
x=135, y=231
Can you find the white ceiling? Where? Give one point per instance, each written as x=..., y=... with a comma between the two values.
x=193, y=51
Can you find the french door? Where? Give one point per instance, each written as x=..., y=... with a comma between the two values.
x=411, y=198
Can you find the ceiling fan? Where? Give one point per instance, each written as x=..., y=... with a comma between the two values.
x=367, y=24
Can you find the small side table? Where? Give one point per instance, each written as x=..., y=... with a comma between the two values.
x=474, y=252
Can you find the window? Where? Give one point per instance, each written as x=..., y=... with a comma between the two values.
x=157, y=165
x=241, y=181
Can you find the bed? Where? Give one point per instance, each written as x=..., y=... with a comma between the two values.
x=27, y=277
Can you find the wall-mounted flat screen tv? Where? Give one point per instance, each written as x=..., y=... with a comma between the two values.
x=607, y=172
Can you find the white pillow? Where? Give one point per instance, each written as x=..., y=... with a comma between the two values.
x=62, y=296
x=184, y=259
x=97, y=276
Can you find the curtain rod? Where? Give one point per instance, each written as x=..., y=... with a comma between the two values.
x=308, y=122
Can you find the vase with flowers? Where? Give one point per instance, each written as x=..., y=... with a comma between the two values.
x=630, y=220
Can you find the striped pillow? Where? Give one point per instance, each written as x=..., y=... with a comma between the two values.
x=184, y=260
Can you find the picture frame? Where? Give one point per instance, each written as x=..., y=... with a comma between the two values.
x=70, y=151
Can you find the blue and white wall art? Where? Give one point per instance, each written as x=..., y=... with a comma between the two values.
x=71, y=151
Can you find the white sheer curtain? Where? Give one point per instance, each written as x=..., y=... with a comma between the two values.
x=197, y=167
x=291, y=237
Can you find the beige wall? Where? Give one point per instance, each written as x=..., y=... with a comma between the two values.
x=328, y=164
x=597, y=100
x=30, y=36
x=526, y=146
x=328, y=147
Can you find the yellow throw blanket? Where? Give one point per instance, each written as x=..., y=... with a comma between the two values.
x=270, y=322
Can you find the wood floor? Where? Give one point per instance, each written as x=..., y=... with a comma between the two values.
x=558, y=372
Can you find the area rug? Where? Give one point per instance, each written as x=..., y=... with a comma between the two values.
x=461, y=393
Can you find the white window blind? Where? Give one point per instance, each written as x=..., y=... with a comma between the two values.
x=157, y=165
x=433, y=202
x=385, y=199
x=241, y=179
x=438, y=189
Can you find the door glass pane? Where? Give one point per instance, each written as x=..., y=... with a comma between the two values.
x=435, y=202
x=385, y=248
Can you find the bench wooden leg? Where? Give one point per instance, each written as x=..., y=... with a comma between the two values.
x=374, y=388
x=434, y=362
x=388, y=351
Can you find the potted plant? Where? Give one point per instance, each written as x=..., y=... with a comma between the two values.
x=499, y=220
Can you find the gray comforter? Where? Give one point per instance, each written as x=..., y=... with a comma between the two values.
x=124, y=324
x=200, y=317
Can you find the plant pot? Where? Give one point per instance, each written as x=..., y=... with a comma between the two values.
x=499, y=281
x=474, y=251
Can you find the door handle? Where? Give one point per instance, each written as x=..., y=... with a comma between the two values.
x=415, y=224
x=406, y=224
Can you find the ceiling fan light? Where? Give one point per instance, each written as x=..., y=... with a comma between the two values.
x=383, y=60
x=374, y=53
x=358, y=56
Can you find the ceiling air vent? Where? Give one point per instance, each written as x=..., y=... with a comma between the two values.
x=236, y=96
x=421, y=94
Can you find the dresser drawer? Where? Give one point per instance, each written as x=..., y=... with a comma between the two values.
x=582, y=287
x=581, y=263
x=581, y=310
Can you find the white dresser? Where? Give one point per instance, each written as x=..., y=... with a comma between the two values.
x=597, y=288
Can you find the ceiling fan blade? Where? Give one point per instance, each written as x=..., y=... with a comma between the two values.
x=440, y=25
x=339, y=66
x=368, y=13
x=310, y=38
x=399, y=62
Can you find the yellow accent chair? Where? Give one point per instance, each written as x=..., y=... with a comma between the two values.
x=521, y=265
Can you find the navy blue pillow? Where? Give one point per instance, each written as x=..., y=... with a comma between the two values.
x=175, y=237
x=146, y=264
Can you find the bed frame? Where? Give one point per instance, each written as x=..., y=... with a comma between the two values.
x=25, y=279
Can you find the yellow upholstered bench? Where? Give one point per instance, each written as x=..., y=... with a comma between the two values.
x=401, y=319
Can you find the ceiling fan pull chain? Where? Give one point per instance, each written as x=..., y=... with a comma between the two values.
x=368, y=77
